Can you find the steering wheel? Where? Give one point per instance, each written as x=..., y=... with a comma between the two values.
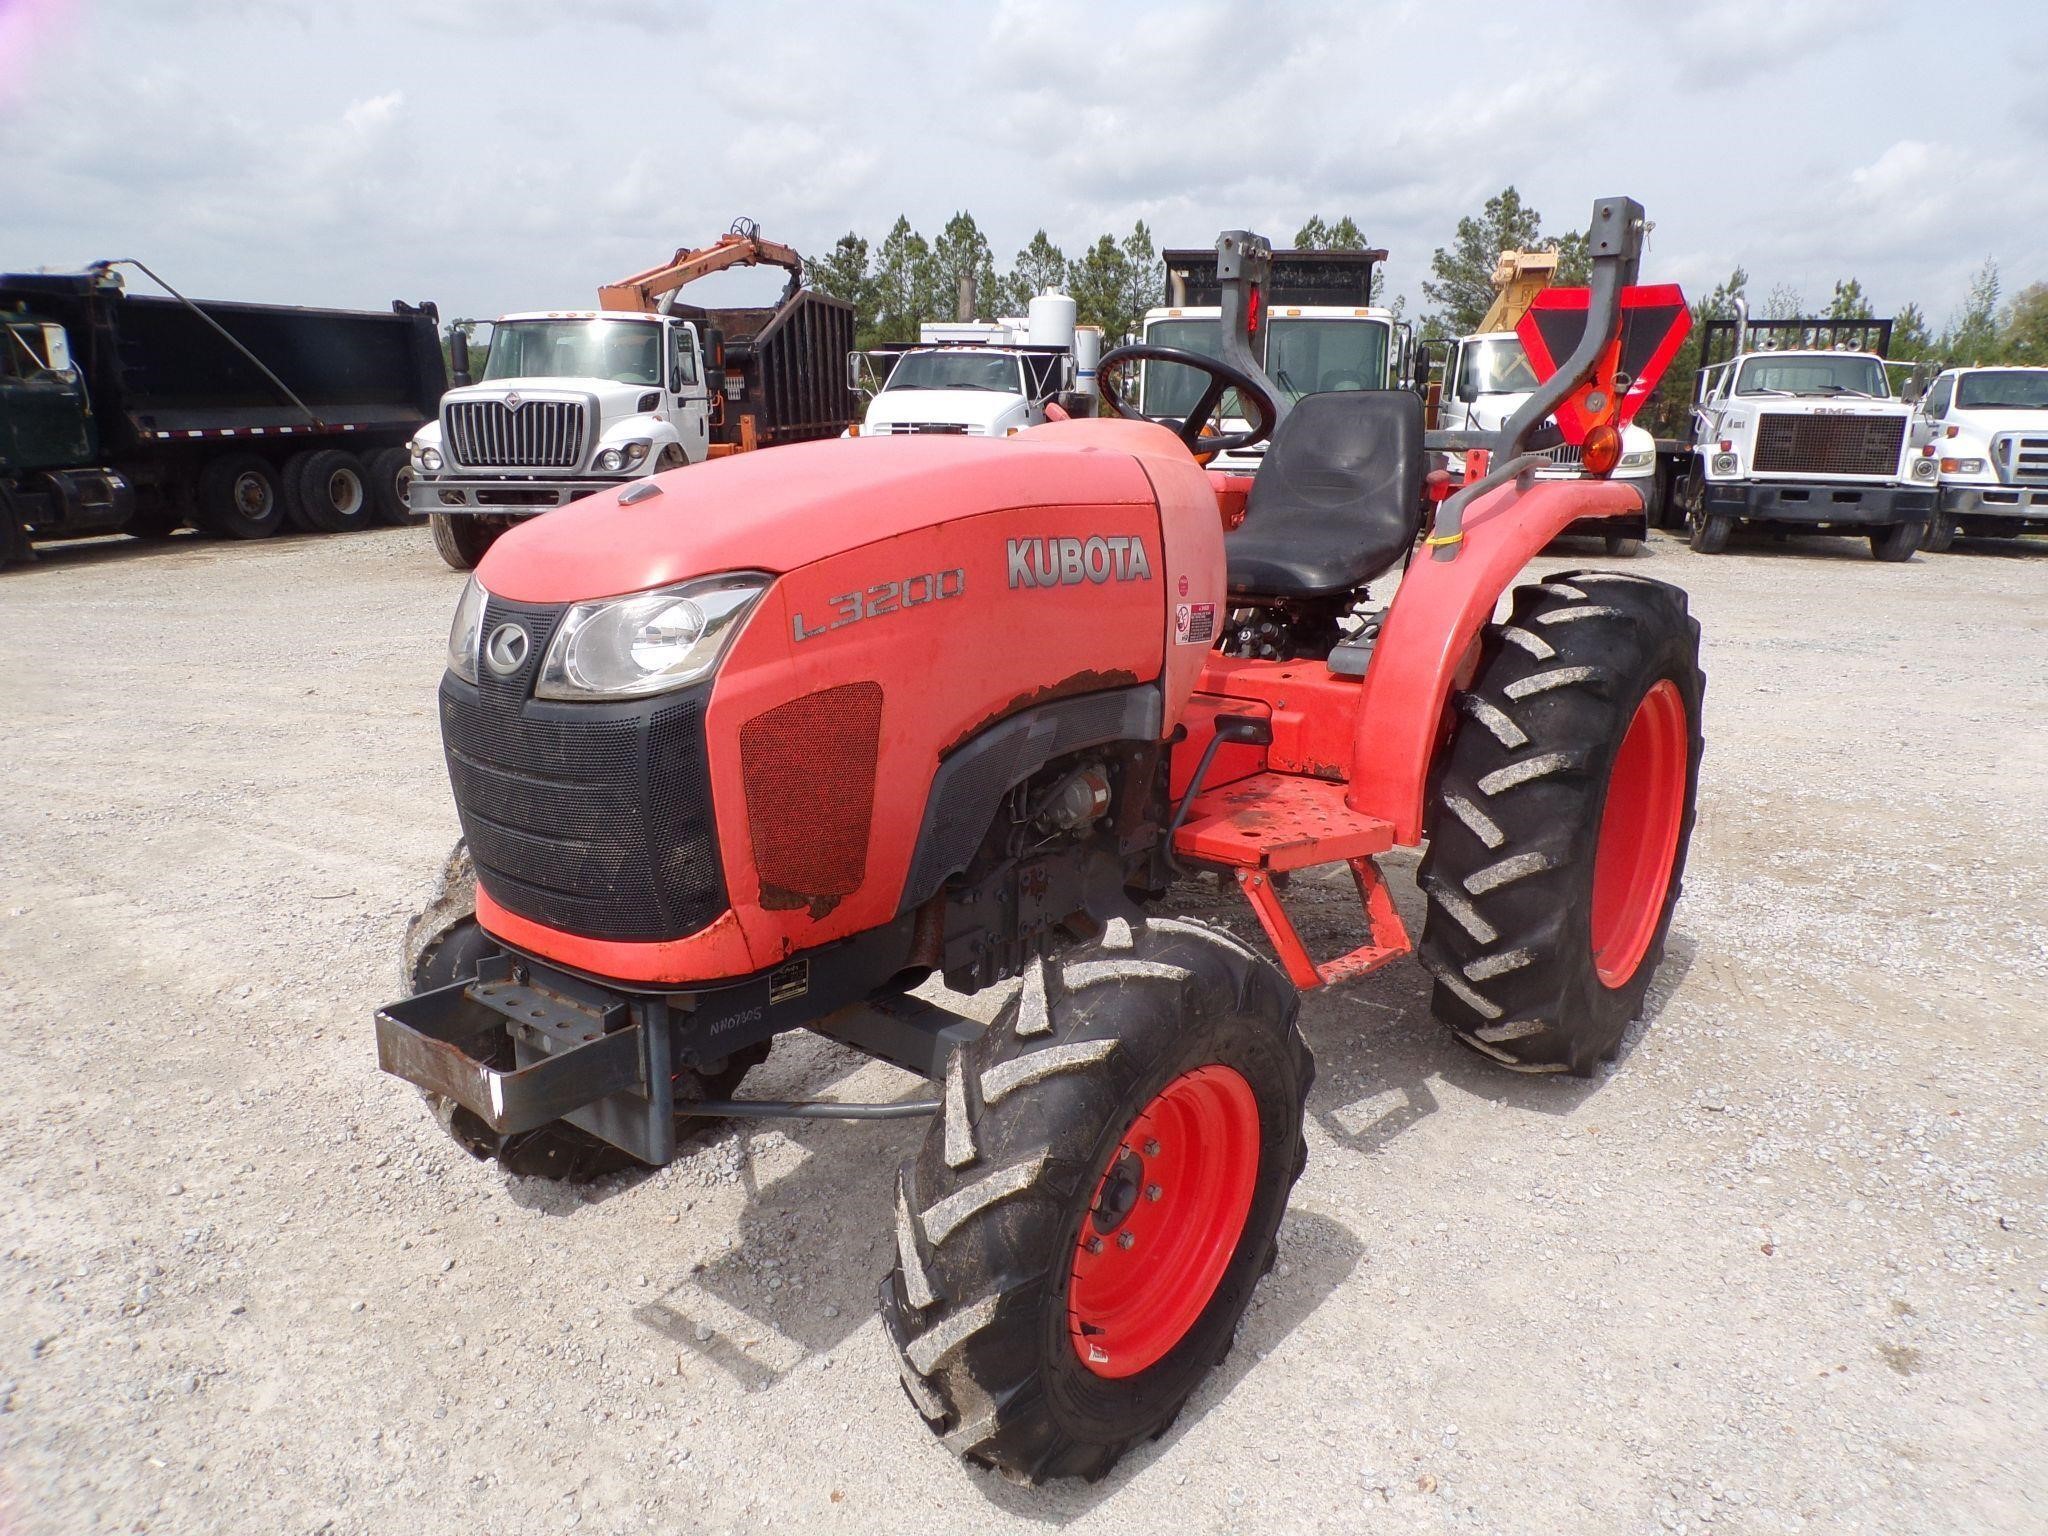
x=1251, y=392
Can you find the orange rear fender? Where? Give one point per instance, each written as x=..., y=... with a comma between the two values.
x=1432, y=626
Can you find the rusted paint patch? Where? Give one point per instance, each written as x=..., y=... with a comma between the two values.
x=775, y=899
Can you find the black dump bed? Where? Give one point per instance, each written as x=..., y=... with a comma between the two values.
x=792, y=359
x=154, y=368
x=1299, y=277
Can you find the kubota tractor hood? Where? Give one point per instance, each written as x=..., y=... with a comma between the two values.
x=780, y=508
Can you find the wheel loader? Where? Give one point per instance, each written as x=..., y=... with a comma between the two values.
x=768, y=744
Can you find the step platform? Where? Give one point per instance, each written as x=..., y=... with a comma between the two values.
x=1271, y=824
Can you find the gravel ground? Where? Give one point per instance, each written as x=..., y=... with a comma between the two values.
x=1782, y=1269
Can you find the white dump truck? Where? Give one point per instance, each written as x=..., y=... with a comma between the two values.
x=1797, y=429
x=575, y=401
x=1320, y=333
x=979, y=378
x=1487, y=376
x=1989, y=431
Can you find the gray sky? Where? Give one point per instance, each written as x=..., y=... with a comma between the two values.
x=508, y=154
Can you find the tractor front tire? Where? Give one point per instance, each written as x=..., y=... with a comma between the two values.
x=1083, y=1227
x=1559, y=827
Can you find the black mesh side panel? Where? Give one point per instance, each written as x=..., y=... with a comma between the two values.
x=592, y=818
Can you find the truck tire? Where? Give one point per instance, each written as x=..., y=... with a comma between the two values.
x=1711, y=531
x=291, y=480
x=334, y=492
x=1559, y=826
x=442, y=946
x=390, y=472
x=1896, y=542
x=462, y=539
x=1941, y=535
x=240, y=498
x=1083, y=1227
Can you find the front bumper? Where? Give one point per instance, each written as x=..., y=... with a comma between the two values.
x=1820, y=504
x=2022, y=501
x=507, y=497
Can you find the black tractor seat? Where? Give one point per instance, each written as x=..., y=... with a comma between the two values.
x=1337, y=500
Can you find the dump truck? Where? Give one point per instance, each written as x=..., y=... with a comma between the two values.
x=1797, y=429
x=1318, y=331
x=133, y=413
x=577, y=401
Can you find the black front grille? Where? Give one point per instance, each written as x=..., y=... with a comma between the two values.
x=1789, y=444
x=591, y=818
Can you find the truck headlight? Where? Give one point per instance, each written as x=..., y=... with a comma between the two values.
x=1962, y=466
x=1923, y=469
x=625, y=456
x=1725, y=464
x=1640, y=458
x=427, y=460
x=626, y=647
x=466, y=634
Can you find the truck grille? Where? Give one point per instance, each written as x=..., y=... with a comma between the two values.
x=591, y=818
x=1568, y=454
x=907, y=428
x=540, y=434
x=1828, y=445
x=2023, y=460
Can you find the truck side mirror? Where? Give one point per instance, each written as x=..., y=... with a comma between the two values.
x=458, y=358
x=1468, y=391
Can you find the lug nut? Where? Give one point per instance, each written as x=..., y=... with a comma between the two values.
x=1153, y=1191
x=1095, y=1245
x=1151, y=1148
x=1125, y=1240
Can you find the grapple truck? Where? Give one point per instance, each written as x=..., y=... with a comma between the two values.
x=955, y=707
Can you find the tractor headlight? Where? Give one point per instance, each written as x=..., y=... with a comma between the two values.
x=466, y=633
x=626, y=647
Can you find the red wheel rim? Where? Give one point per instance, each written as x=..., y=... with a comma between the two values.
x=1164, y=1221
x=1639, y=833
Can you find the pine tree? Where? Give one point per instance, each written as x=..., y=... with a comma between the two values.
x=962, y=251
x=1041, y=265
x=903, y=283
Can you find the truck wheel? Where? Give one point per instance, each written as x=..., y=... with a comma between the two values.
x=1941, y=534
x=1558, y=831
x=153, y=523
x=1896, y=542
x=462, y=539
x=1620, y=546
x=334, y=492
x=1082, y=1229
x=291, y=481
x=442, y=946
x=390, y=472
x=1710, y=531
x=240, y=498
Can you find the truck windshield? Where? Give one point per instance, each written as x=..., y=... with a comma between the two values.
x=1496, y=367
x=1171, y=389
x=2003, y=389
x=1326, y=355
x=1849, y=374
x=625, y=351
x=957, y=370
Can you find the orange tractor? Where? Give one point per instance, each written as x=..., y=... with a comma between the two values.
x=766, y=745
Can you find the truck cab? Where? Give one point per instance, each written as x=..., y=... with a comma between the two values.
x=965, y=389
x=1989, y=431
x=1799, y=430
x=1306, y=349
x=45, y=418
x=1487, y=376
x=569, y=402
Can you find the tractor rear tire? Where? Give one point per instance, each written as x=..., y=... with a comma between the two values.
x=240, y=497
x=1559, y=827
x=1082, y=1229
x=443, y=944
x=462, y=539
x=1897, y=542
